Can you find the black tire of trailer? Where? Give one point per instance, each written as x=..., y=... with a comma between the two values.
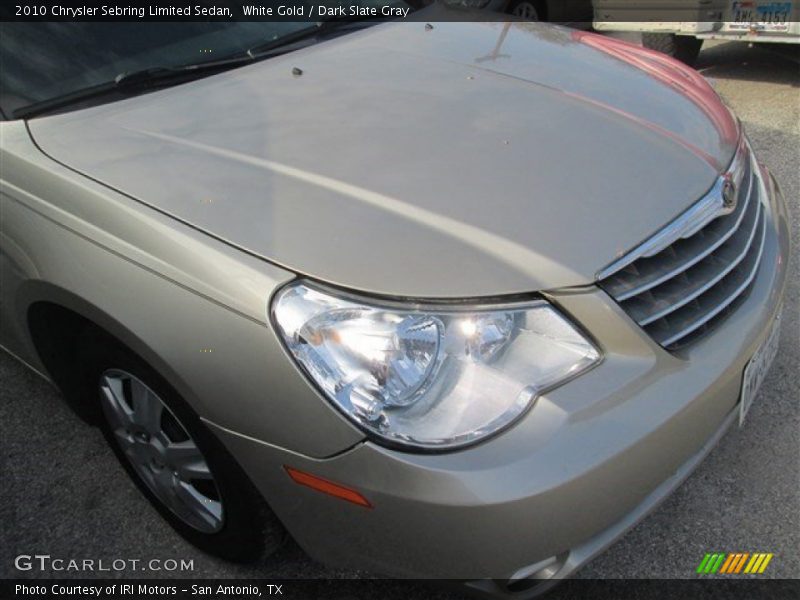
x=682, y=47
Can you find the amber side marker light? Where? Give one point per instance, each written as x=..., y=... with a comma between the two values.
x=327, y=487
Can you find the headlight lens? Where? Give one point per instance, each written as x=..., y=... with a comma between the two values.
x=435, y=377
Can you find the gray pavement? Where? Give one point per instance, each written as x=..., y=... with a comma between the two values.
x=62, y=493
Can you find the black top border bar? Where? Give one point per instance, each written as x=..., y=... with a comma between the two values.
x=316, y=10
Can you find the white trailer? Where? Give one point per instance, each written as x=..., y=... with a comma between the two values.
x=678, y=27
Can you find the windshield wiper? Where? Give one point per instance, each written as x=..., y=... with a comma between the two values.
x=131, y=82
x=136, y=81
x=318, y=29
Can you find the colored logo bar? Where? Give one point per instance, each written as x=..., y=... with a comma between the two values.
x=734, y=563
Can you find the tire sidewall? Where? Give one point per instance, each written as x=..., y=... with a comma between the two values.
x=683, y=48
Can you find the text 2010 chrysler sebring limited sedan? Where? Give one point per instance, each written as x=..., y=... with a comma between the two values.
x=452, y=301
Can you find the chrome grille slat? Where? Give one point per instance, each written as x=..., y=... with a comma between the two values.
x=727, y=300
x=685, y=253
x=679, y=291
x=694, y=219
x=701, y=283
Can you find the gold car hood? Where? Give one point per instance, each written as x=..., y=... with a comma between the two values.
x=471, y=159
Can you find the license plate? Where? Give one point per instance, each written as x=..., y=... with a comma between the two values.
x=759, y=15
x=756, y=370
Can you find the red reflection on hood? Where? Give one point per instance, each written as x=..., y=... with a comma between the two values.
x=688, y=82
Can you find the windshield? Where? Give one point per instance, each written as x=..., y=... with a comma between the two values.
x=41, y=61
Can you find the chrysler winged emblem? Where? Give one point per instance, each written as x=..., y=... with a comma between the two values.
x=729, y=196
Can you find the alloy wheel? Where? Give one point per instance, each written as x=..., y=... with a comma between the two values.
x=161, y=450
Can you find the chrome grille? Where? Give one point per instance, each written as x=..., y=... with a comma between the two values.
x=685, y=279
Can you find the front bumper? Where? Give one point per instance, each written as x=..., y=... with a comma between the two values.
x=586, y=463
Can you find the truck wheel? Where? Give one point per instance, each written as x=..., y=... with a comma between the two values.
x=529, y=10
x=683, y=47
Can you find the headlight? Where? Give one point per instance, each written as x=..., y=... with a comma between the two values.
x=428, y=376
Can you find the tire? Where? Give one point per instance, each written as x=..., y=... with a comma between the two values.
x=682, y=47
x=530, y=10
x=225, y=515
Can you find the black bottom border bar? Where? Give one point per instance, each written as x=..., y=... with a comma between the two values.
x=371, y=589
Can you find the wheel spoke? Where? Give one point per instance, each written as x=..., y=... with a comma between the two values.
x=147, y=407
x=125, y=441
x=186, y=459
x=152, y=481
x=119, y=414
x=194, y=470
x=201, y=506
